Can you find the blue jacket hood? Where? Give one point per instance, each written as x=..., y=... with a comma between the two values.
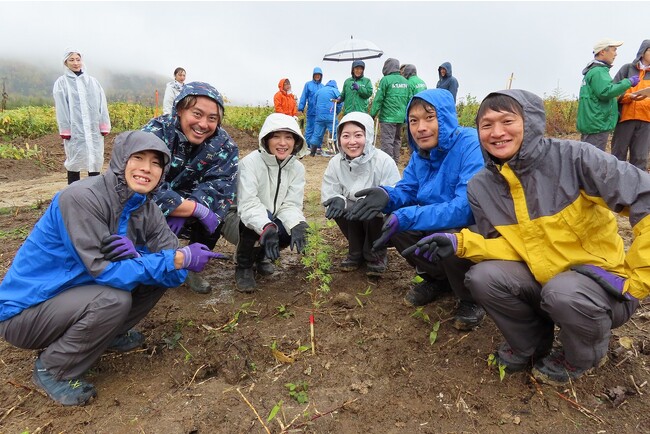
x=447, y=66
x=332, y=83
x=443, y=102
x=317, y=70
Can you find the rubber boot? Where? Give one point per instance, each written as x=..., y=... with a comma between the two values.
x=244, y=273
x=197, y=283
x=263, y=265
x=313, y=149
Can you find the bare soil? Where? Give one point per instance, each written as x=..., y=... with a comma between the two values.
x=208, y=365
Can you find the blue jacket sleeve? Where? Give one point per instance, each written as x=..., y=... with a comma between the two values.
x=156, y=269
x=405, y=191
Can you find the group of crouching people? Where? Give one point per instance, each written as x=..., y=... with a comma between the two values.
x=514, y=224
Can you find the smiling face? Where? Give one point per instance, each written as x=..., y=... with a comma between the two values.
x=281, y=144
x=352, y=139
x=180, y=76
x=143, y=171
x=423, y=126
x=200, y=121
x=73, y=62
x=501, y=133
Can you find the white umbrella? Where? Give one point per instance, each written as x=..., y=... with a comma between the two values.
x=353, y=49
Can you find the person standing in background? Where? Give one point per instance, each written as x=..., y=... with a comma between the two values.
x=82, y=118
x=597, y=108
x=446, y=80
x=416, y=84
x=284, y=100
x=390, y=104
x=308, y=99
x=173, y=89
x=356, y=90
x=632, y=132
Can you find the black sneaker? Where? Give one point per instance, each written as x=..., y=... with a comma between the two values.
x=426, y=292
x=66, y=392
x=556, y=370
x=468, y=316
x=514, y=362
x=127, y=341
x=350, y=264
x=376, y=268
x=245, y=280
x=197, y=283
x=265, y=267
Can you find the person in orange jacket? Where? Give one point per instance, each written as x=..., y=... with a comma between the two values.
x=284, y=100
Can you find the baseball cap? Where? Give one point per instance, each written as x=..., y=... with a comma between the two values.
x=604, y=43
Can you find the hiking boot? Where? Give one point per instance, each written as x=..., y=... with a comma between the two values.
x=556, y=370
x=376, y=268
x=350, y=264
x=245, y=280
x=468, y=315
x=425, y=292
x=66, y=392
x=514, y=362
x=312, y=151
x=265, y=267
x=127, y=341
x=197, y=283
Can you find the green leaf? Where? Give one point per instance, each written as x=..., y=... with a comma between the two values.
x=274, y=411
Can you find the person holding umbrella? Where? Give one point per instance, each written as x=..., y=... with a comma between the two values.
x=356, y=90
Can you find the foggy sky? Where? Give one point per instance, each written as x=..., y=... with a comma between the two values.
x=245, y=48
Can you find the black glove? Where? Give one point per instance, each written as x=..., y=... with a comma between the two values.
x=370, y=206
x=434, y=247
x=271, y=241
x=299, y=236
x=335, y=207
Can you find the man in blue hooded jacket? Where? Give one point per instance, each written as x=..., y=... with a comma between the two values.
x=308, y=99
x=431, y=197
x=446, y=80
x=327, y=108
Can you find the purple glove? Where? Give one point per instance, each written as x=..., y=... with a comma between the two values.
x=634, y=80
x=390, y=228
x=271, y=241
x=367, y=208
x=176, y=224
x=610, y=282
x=355, y=86
x=197, y=255
x=208, y=219
x=117, y=247
x=434, y=247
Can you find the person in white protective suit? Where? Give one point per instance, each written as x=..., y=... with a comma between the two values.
x=82, y=118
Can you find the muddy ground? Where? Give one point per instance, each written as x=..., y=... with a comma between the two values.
x=220, y=363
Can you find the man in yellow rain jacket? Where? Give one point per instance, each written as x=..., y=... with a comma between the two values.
x=547, y=249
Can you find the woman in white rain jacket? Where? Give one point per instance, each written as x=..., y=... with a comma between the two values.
x=270, y=194
x=82, y=117
x=357, y=166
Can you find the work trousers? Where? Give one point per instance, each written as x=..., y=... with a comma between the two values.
x=77, y=326
x=452, y=269
x=391, y=139
x=360, y=236
x=632, y=136
x=599, y=140
x=526, y=311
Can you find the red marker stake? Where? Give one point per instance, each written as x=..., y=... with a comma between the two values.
x=311, y=334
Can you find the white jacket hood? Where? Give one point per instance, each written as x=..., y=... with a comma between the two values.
x=367, y=123
x=281, y=122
